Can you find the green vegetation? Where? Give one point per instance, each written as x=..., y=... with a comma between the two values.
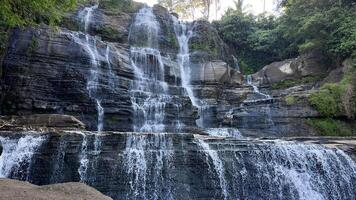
x=290, y=100
x=290, y=83
x=31, y=12
x=332, y=127
x=207, y=46
x=336, y=98
x=116, y=6
x=32, y=46
x=325, y=26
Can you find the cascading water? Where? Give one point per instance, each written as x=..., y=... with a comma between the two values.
x=146, y=159
x=15, y=159
x=255, y=88
x=90, y=46
x=217, y=164
x=150, y=92
x=183, y=34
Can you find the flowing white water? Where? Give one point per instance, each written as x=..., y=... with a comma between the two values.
x=84, y=160
x=150, y=91
x=255, y=88
x=136, y=165
x=147, y=161
x=224, y=132
x=217, y=163
x=183, y=35
x=85, y=16
x=17, y=154
x=89, y=45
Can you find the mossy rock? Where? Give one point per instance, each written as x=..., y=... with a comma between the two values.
x=110, y=34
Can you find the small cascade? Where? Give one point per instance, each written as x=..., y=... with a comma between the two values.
x=84, y=160
x=85, y=16
x=150, y=91
x=112, y=76
x=89, y=44
x=217, y=164
x=15, y=160
x=224, y=132
x=147, y=159
x=183, y=34
x=256, y=90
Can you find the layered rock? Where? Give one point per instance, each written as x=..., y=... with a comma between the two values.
x=181, y=166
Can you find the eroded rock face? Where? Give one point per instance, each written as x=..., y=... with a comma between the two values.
x=18, y=190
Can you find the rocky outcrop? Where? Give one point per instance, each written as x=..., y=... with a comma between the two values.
x=18, y=190
x=307, y=65
x=40, y=121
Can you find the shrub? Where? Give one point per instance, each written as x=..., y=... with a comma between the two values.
x=331, y=127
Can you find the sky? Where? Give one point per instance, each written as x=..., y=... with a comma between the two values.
x=252, y=6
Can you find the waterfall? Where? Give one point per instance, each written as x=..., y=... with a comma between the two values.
x=89, y=45
x=146, y=159
x=15, y=159
x=150, y=91
x=85, y=16
x=183, y=35
x=217, y=164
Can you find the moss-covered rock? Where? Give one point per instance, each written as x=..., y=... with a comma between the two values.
x=337, y=99
x=206, y=44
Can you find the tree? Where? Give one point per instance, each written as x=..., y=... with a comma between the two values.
x=29, y=12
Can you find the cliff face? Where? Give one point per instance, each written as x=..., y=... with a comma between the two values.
x=51, y=72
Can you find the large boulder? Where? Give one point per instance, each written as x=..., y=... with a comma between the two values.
x=214, y=72
x=18, y=190
x=307, y=65
x=206, y=44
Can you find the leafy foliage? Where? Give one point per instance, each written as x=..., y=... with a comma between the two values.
x=336, y=98
x=332, y=127
x=326, y=26
x=29, y=12
x=256, y=39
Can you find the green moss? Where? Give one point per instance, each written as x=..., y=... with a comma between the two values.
x=33, y=44
x=290, y=100
x=290, y=83
x=335, y=98
x=210, y=48
x=332, y=127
